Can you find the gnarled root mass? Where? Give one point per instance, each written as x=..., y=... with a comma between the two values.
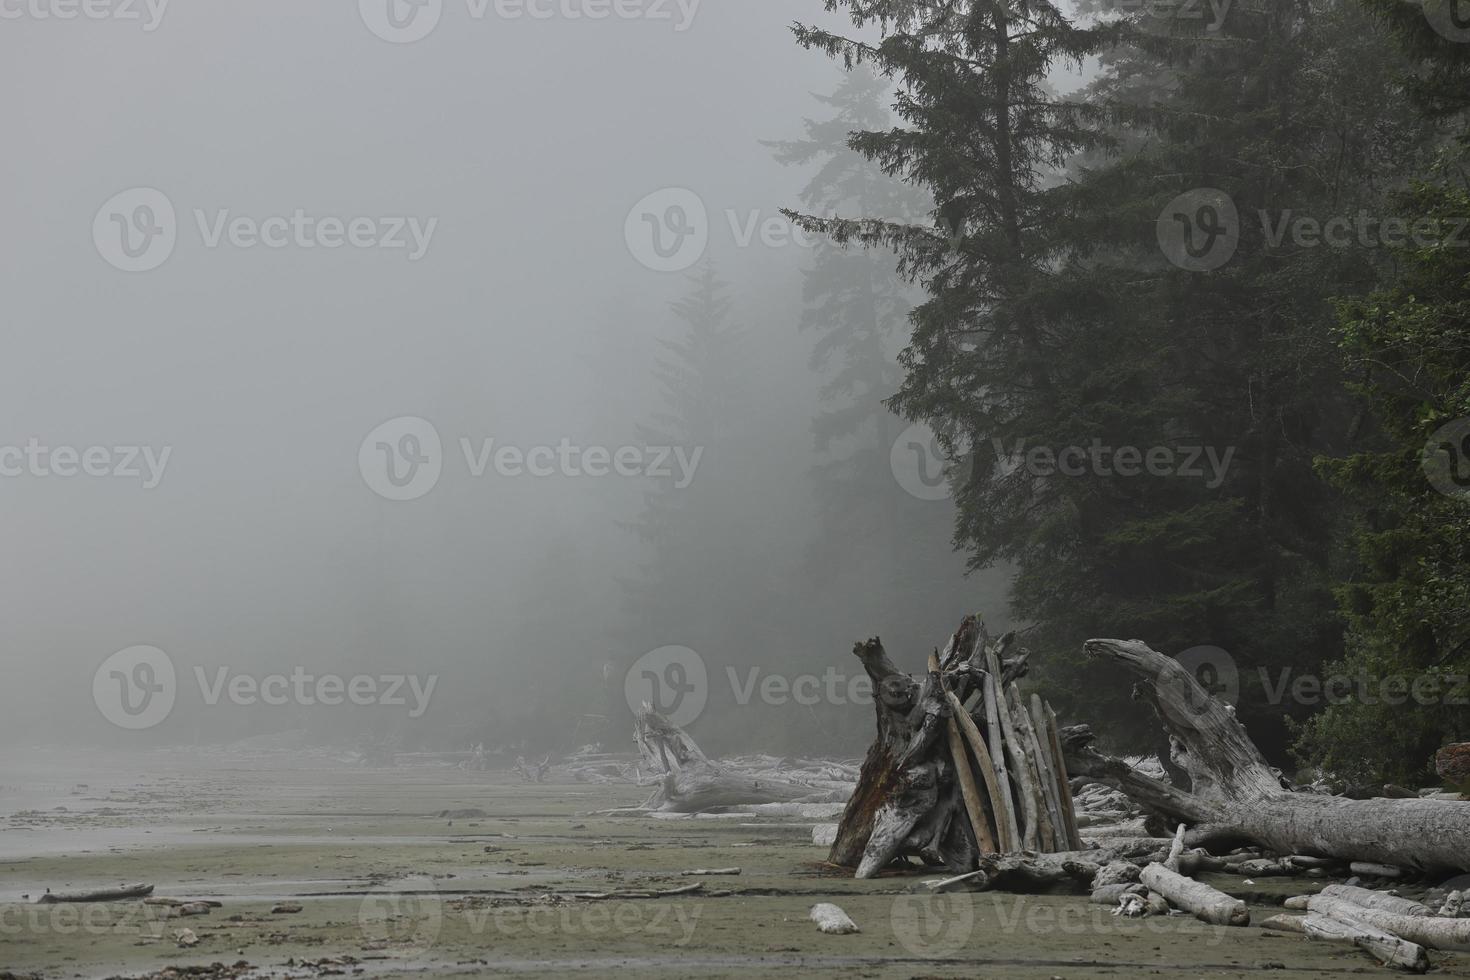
x=1233, y=795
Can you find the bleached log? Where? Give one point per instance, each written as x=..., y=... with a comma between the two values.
x=120, y=893
x=1205, y=903
x=979, y=826
x=1371, y=869
x=986, y=764
x=1429, y=931
x=1064, y=781
x=1370, y=899
x=1385, y=947
x=1011, y=838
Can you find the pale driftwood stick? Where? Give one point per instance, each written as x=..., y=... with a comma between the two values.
x=966, y=775
x=1369, y=899
x=1028, y=748
x=1006, y=811
x=1206, y=903
x=1176, y=850
x=944, y=884
x=972, y=735
x=1425, y=930
x=119, y=893
x=1385, y=947
x=1025, y=791
x=1022, y=766
x=1064, y=781
x=1047, y=770
x=702, y=872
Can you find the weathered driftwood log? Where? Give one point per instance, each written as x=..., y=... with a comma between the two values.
x=1385, y=947
x=969, y=792
x=1369, y=899
x=120, y=893
x=691, y=783
x=1206, y=903
x=1429, y=931
x=906, y=795
x=1234, y=795
x=1035, y=873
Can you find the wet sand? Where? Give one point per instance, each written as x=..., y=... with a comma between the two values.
x=387, y=888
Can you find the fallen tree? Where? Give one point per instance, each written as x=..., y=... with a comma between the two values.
x=690, y=782
x=1233, y=795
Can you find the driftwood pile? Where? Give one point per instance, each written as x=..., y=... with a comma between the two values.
x=931, y=787
x=962, y=765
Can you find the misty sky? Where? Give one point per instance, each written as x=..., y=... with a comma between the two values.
x=526, y=319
